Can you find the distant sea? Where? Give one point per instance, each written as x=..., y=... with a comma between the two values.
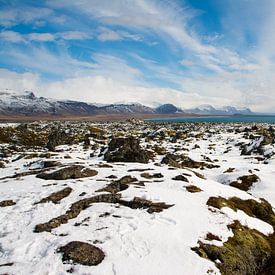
x=220, y=119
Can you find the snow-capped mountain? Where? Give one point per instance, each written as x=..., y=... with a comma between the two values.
x=12, y=103
x=27, y=104
x=226, y=110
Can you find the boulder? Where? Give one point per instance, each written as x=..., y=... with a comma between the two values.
x=70, y=172
x=81, y=253
x=126, y=150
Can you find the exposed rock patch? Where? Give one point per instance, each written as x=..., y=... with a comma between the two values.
x=180, y=178
x=56, y=197
x=7, y=203
x=151, y=176
x=71, y=172
x=78, y=206
x=125, y=150
x=261, y=210
x=182, y=161
x=245, y=182
x=81, y=253
x=247, y=252
x=193, y=189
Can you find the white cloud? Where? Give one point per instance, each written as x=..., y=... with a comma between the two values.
x=73, y=35
x=41, y=37
x=16, y=37
x=11, y=36
x=109, y=35
x=106, y=34
x=16, y=15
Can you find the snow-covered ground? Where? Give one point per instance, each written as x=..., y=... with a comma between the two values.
x=133, y=240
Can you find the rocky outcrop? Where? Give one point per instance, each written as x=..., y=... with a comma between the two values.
x=81, y=253
x=245, y=182
x=56, y=197
x=70, y=172
x=182, y=161
x=126, y=150
x=7, y=203
x=55, y=138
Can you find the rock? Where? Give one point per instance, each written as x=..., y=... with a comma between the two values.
x=55, y=138
x=151, y=176
x=70, y=172
x=74, y=211
x=151, y=207
x=193, y=189
x=81, y=253
x=7, y=203
x=57, y=196
x=125, y=150
x=182, y=161
x=245, y=182
x=83, y=204
x=180, y=178
x=118, y=185
x=247, y=252
x=261, y=210
x=50, y=163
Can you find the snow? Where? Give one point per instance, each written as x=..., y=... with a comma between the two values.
x=134, y=241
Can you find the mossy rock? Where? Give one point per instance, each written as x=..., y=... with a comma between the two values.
x=81, y=253
x=261, y=210
x=247, y=252
x=245, y=182
x=193, y=189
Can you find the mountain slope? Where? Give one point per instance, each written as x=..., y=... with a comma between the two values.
x=226, y=110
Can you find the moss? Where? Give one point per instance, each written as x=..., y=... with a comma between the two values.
x=23, y=137
x=245, y=182
x=261, y=210
x=211, y=237
x=247, y=252
x=193, y=189
x=56, y=197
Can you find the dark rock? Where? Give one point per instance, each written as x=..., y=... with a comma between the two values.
x=151, y=176
x=118, y=185
x=57, y=196
x=83, y=204
x=50, y=163
x=193, y=189
x=211, y=237
x=182, y=161
x=75, y=210
x=81, y=253
x=151, y=207
x=71, y=172
x=55, y=138
x=180, y=178
x=126, y=150
x=7, y=203
x=245, y=182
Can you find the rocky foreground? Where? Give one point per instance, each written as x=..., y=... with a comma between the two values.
x=137, y=198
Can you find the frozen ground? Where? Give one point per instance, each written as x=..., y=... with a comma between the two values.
x=133, y=240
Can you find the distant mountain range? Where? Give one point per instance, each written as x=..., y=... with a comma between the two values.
x=27, y=104
x=226, y=110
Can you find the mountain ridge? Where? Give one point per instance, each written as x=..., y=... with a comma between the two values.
x=12, y=103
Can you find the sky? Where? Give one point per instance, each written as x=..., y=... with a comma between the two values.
x=184, y=52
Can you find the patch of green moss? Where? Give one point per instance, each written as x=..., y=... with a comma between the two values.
x=247, y=252
x=193, y=189
x=245, y=182
x=261, y=210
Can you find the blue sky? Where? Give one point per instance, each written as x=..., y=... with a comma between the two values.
x=188, y=52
